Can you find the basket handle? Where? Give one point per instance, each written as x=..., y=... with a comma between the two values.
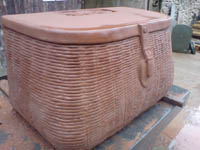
x=147, y=63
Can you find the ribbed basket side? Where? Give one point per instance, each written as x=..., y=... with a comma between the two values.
x=76, y=96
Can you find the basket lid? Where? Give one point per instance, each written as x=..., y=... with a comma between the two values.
x=86, y=26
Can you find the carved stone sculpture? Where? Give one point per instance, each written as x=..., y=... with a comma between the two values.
x=80, y=76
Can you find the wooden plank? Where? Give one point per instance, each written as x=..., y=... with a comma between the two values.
x=3, y=10
x=30, y=6
x=90, y=3
x=16, y=6
x=116, y=3
x=177, y=96
x=134, y=3
x=35, y=6
x=60, y=5
x=19, y=6
x=108, y=3
x=25, y=6
x=51, y=6
x=45, y=6
x=10, y=5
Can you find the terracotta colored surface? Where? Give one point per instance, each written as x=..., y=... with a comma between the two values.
x=86, y=26
x=76, y=96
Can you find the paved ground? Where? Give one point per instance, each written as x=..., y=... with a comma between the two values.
x=184, y=131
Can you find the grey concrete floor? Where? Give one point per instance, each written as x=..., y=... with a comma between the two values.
x=183, y=133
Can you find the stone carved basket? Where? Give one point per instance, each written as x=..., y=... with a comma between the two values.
x=80, y=76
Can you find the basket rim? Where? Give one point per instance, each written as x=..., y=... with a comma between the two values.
x=93, y=32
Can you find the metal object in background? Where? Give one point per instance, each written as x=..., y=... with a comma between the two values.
x=192, y=47
x=181, y=38
x=140, y=134
x=154, y=5
x=172, y=15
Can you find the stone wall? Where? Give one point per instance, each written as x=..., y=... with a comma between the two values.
x=186, y=10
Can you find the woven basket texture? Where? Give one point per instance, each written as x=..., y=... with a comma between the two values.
x=77, y=96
